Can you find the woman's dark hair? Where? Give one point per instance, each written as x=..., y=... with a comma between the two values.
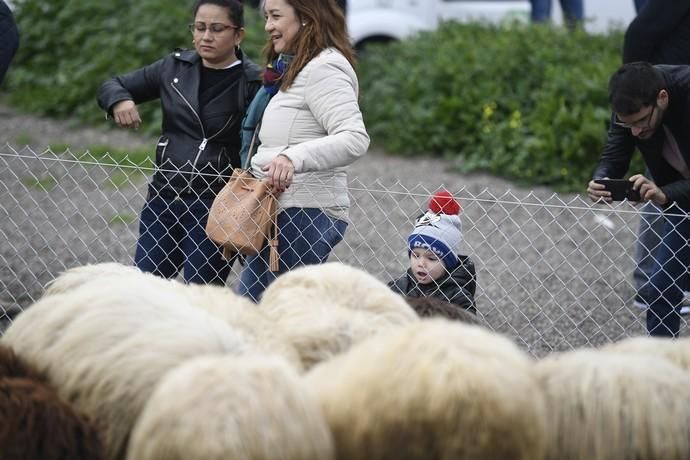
x=634, y=86
x=234, y=7
x=324, y=27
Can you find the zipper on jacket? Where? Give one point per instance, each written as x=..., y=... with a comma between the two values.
x=165, y=148
x=205, y=139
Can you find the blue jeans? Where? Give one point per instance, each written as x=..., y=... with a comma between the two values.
x=649, y=240
x=649, y=237
x=172, y=236
x=639, y=4
x=573, y=10
x=664, y=293
x=306, y=236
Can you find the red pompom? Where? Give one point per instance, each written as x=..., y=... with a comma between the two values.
x=442, y=202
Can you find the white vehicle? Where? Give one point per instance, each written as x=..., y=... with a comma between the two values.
x=388, y=20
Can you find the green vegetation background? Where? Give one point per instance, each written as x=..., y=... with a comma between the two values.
x=523, y=102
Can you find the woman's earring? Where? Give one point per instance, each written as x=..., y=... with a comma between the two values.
x=304, y=24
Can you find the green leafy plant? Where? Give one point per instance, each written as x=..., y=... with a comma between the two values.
x=525, y=102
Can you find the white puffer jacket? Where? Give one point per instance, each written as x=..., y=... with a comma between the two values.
x=318, y=125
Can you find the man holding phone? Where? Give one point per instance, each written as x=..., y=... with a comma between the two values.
x=651, y=111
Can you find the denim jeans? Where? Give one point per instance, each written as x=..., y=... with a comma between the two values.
x=573, y=10
x=664, y=293
x=649, y=237
x=172, y=236
x=306, y=236
x=649, y=240
x=639, y=4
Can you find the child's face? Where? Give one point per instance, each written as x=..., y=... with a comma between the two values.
x=426, y=266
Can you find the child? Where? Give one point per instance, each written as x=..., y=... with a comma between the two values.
x=436, y=267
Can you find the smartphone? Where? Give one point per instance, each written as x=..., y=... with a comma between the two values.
x=621, y=189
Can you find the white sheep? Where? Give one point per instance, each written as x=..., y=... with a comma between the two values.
x=75, y=277
x=676, y=351
x=241, y=313
x=218, y=301
x=432, y=390
x=606, y=405
x=104, y=345
x=324, y=309
x=240, y=408
x=335, y=283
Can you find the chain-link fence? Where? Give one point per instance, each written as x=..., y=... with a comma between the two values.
x=554, y=271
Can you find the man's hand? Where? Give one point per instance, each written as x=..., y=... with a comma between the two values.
x=648, y=190
x=279, y=173
x=598, y=192
x=126, y=114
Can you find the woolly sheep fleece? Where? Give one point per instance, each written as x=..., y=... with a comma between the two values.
x=78, y=276
x=35, y=424
x=217, y=408
x=324, y=309
x=105, y=345
x=605, y=405
x=431, y=391
x=676, y=351
x=220, y=302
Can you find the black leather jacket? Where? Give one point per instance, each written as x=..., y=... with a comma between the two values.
x=620, y=145
x=457, y=287
x=197, y=149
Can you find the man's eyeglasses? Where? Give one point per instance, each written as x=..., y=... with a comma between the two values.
x=643, y=123
x=215, y=28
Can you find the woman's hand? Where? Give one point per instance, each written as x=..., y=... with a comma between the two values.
x=126, y=114
x=279, y=173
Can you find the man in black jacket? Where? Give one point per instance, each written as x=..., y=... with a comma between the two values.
x=9, y=38
x=660, y=34
x=651, y=111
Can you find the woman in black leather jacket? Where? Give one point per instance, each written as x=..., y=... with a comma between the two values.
x=203, y=95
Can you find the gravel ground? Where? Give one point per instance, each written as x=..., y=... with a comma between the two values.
x=553, y=270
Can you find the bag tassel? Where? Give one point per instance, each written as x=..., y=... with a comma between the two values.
x=273, y=255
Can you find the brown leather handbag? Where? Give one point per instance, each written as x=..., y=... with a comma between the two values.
x=243, y=216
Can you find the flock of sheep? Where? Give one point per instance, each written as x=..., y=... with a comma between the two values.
x=111, y=363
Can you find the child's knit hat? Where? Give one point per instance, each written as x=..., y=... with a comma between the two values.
x=439, y=229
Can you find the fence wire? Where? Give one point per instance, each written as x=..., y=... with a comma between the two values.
x=553, y=271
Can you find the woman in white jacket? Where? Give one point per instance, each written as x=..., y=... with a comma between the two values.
x=311, y=130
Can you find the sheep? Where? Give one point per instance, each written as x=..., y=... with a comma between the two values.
x=104, y=346
x=220, y=302
x=35, y=424
x=676, y=351
x=336, y=284
x=432, y=390
x=324, y=309
x=77, y=276
x=433, y=306
x=606, y=405
x=241, y=313
x=240, y=408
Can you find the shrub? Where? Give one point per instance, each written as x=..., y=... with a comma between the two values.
x=525, y=102
x=69, y=47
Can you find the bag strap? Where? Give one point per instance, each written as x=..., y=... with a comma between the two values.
x=253, y=146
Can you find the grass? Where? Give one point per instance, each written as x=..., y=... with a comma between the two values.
x=23, y=138
x=45, y=183
x=122, y=219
